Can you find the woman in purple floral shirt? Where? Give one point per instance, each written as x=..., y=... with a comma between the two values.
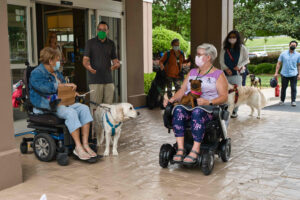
x=214, y=92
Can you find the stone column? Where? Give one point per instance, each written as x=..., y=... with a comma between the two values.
x=11, y=171
x=135, y=52
x=211, y=20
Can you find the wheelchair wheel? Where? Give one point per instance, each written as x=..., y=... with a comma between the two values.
x=23, y=147
x=44, y=147
x=165, y=155
x=226, y=150
x=207, y=163
x=62, y=159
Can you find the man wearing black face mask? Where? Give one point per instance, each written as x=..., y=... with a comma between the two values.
x=290, y=60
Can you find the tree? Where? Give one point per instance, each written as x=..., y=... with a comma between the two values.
x=267, y=17
x=174, y=15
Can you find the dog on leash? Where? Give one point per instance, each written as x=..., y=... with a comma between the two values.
x=108, y=121
x=255, y=81
x=251, y=96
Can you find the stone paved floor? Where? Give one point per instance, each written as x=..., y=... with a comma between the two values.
x=265, y=164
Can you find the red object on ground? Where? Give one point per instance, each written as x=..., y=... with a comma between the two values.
x=277, y=89
x=16, y=94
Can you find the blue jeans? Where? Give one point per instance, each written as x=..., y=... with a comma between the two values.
x=198, y=118
x=75, y=115
x=284, y=84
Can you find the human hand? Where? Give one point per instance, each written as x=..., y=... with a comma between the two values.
x=113, y=67
x=72, y=85
x=166, y=101
x=228, y=71
x=236, y=68
x=92, y=70
x=276, y=74
x=202, y=102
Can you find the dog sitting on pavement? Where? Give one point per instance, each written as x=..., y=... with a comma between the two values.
x=255, y=80
x=239, y=95
x=108, y=121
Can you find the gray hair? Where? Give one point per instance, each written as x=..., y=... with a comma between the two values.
x=210, y=50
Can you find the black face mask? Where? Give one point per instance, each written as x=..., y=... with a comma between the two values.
x=292, y=48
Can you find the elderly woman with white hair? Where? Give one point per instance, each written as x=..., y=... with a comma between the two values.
x=214, y=92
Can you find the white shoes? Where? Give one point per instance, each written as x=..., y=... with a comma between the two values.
x=293, y=104
x=281, y=103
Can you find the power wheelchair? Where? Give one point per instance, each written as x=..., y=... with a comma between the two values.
x=215, y=140
x=51, y=137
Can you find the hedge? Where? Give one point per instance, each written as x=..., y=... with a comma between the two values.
x=271, y=58
x=262, y=68
x=147, y=81
x=162, y=38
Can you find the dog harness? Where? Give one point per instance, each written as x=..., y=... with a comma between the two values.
x=196, y=93
x=236, y=97
x=113, y=127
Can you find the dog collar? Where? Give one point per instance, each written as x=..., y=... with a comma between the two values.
x=196, y=93
x=113, y=127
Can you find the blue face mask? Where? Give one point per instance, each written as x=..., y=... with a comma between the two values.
x=57, y=66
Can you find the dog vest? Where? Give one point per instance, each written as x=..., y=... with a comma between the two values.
x=113, y=127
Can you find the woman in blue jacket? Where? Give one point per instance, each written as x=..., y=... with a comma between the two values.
x=43, y=84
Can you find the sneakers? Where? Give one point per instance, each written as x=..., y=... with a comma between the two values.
x=234, y=115
x=281, y=103
x=293, y=104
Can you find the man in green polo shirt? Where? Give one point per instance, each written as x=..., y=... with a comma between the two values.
x=99, y=53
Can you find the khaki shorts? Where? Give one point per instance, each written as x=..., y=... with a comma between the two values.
x=104, y=93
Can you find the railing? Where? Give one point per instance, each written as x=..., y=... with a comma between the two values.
x=269, y=48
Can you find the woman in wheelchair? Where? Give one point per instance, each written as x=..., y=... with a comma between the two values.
x=43, y=84
x=214, y=92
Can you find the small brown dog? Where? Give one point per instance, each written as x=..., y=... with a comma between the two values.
x=191, y=98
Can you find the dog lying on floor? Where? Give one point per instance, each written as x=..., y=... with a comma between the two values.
x=255, y=81
x=239, y=95
x=108, y=121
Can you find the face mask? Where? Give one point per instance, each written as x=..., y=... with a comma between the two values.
x=57, y=66
x=292, y=48
x=199, y=61
x=176, y=48
x=232, y=40
x=101, y=35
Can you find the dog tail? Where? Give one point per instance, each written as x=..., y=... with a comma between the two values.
x=263, y=99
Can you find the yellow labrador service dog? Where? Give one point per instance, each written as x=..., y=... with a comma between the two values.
x=251, y=96
x=108, y=121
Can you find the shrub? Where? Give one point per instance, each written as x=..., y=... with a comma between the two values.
x=148, y=78
x=271, y=58
x=262, y=68
x=162, y=38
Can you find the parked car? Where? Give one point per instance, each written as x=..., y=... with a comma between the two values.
x=258, y=54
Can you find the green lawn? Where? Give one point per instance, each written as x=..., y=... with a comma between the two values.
x=265, y=80
x=276, y=40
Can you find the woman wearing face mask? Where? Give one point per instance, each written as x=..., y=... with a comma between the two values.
x=233, y=58
x=43, y=86
x=214, y=92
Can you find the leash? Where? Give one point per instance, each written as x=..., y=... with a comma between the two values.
x=236, y=97
x=99, y=105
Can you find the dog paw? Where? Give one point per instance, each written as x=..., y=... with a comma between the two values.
x=106, y=153
x=115, y=153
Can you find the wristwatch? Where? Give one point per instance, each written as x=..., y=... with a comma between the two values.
x=210, y=103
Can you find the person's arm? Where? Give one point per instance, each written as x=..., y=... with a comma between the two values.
x=222, y=88
x=86, y=59
x=162, y=60
x=41, y=83
x=113, y=57
x=298, y=70
x=179, y=94
x=244, y=57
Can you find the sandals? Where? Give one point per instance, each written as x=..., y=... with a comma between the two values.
x=89, y=151
x=179, y=156
x=81, y=154
x=194, y=160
